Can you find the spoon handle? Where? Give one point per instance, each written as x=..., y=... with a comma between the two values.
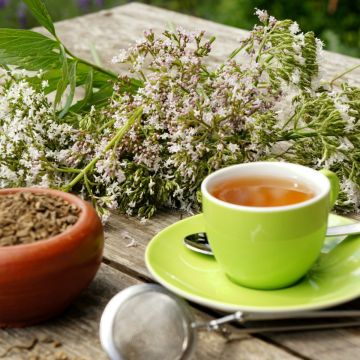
x=350, y=229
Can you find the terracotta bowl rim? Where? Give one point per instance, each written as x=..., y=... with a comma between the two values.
x=73, y=199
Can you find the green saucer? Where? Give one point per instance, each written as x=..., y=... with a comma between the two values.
x=334, y=278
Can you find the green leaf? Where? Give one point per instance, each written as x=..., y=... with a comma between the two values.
x=83, y=72
x=99, y=78
x=63, y=82
x=89, y=85
x=130, y=85
x=72, y=81
x=98, y=99
x=41, y=14
x=102, y=96
x=27, y=49
x=88, y=93
x=52, y=76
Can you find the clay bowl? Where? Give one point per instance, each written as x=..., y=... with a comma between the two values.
x=39, y=280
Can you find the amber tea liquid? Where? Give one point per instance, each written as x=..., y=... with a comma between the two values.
x=262, y=191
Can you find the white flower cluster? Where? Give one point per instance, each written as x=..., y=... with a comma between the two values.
x=37, y=149
x=197, y=119
x=29, y=137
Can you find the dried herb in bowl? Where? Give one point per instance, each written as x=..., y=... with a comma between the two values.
x=28, y=217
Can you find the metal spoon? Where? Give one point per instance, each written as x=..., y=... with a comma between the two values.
x=198, y=242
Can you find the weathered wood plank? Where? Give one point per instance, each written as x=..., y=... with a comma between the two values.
x=122, y=231
x=324, y=345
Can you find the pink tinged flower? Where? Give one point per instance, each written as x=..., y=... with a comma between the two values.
x=185, y=59
x=272, y=20
x=262, y=15
x=148, y=33
x=120, y=57
x=208, y=117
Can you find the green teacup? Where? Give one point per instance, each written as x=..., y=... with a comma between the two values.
x=268, y=247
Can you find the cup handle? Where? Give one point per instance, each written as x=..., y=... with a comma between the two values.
x=334, y=185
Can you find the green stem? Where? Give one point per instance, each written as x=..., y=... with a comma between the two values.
x=284, y=152
x=109, y=123
x=118, y=136
x=343, y=73
x=233, y=54
x=67, y=170
x=7, y=69
x=352, y=171
x=289, y=120
x=142, y=75
x=87, y=185
x=263, y=42
x=95, y=55
x=279, y=47
x=299, y=135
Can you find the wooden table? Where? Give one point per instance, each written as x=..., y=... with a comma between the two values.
x=74, y=335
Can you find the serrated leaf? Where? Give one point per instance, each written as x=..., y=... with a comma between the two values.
x=72, y=83
x=27, y=49
x=38, y=9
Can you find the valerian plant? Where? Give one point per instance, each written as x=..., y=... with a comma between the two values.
x=146, y=141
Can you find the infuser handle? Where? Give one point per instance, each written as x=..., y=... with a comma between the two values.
x=300, y=315
x=242, y=317
x=255, y=330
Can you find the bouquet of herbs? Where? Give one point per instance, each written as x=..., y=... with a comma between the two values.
x=146, y=141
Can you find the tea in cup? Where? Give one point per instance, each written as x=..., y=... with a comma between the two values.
x=266, y=221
